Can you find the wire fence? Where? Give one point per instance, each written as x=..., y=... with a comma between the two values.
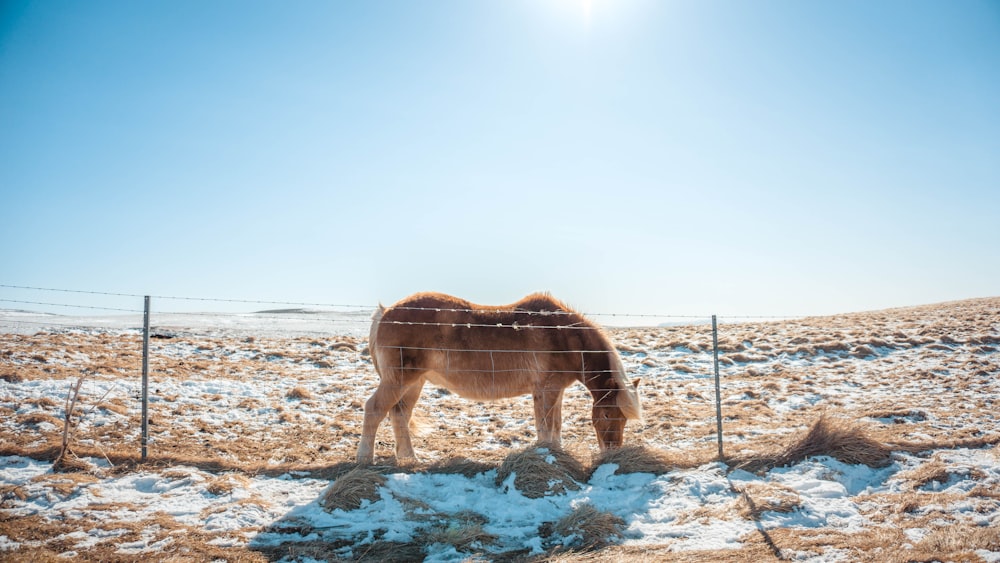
x=135, y=313
x=135, y=299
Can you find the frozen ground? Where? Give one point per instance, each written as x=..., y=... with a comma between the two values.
x=254, y=416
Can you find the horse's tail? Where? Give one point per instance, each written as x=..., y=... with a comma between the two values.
x=418, y=424
x=373, y=335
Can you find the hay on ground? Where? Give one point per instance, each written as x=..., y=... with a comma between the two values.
x=928, y=472
x=542, y=470
x=961, y=538
x=758, y=498
x=462, y=535
x=11, y=376
x=390, y=552
x=636, y=459
x=587, y=527
x=300, y=393
x=347, y=492
x=67, y=462
x=946, y=444
x=838, y=438
x=460, y=466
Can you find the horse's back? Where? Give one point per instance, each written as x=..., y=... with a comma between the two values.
x=442, y=322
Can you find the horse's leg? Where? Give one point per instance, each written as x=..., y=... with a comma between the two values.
x=400, y=416
x=548, y=415
x=385, y=397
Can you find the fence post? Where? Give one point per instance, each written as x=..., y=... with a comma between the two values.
x=718, y=391
x=145, y=377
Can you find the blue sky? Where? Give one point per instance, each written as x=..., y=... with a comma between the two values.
x=729, y=157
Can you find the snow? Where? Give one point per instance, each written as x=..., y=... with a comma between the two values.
x=649, y=504
x=181, y=494
x=687, y=509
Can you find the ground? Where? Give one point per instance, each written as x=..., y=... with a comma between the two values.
x=250, y=426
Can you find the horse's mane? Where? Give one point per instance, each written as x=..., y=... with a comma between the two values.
x=542, y=301
x=628, y=399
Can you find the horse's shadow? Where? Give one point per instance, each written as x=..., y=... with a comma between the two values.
x=312, y=530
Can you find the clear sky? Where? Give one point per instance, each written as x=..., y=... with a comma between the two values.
x=695, y=157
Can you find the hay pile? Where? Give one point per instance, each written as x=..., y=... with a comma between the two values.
x=838, y=438
x=347, y=492
x=463, y=530
x=460, y=466
x=587, y=527
x=635, y=459
x=542, y=471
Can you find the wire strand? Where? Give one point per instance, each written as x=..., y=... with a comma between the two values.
x=94, y=307
x=177, y=298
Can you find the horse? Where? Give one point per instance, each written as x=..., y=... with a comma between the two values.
x=537, y=345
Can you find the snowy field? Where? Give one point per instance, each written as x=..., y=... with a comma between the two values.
x=254, y=420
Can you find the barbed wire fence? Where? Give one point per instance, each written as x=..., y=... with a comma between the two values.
x=287, y=320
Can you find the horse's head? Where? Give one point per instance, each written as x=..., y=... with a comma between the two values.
x=609, y=418
x=609, y=423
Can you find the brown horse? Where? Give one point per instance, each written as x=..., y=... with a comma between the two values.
x=537, y=345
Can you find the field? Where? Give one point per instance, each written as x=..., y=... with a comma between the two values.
x=857, y=437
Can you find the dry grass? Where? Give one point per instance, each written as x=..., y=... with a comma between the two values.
x=224, y=484
x=67, y=462
x=932, y=471
x=300, y=393
x=11, y=492
x=42, y=402
x=114, y=407
x=636, y=459
x=986, y=491
x=65, y=484
x=464, y=533
x=460, y=466
x=543, y=470
x=11, y=375
x=835, y=437
x=898, y=414
x=917, y=447
x=960, y=539
x=389, y=552
x=348, y=491
x=758, y=498
x=37, y=418
x=947, y=350
x=589, y=528
x=956, y=542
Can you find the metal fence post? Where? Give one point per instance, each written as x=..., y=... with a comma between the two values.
x=718, y=391
x=145, y=378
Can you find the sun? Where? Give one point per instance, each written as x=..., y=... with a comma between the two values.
x=587, y=7
x=581, y=11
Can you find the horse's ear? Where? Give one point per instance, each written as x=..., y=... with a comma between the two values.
x=636, y=382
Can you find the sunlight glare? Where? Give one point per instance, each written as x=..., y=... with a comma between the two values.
x=595, y=13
